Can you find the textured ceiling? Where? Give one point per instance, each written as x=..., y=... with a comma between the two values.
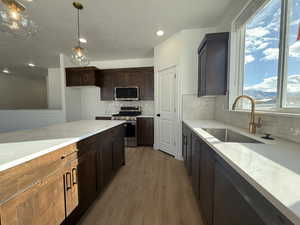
x=115, y=29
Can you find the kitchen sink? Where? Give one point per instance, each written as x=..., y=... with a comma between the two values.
x=226, y=135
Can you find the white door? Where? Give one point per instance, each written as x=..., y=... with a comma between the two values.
x=167, y=111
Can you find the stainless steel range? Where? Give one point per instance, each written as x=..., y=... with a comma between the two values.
x=129, y=114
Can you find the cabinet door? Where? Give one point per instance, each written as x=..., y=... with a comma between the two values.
x=71, y=187
x=118, y=153
x=189, y=151
x=107, y=161
x=145, y=131
x=87, y=180
x=184, y=143
x=207, y=167
x=196, y=165
x=230, y=207
x=202, y=72
x=41, y=204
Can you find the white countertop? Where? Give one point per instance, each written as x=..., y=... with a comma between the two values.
x=272, y=168
x=22, y=146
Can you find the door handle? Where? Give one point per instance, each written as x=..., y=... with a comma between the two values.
x=158, y=115
x=68, y=181
x=74, y=176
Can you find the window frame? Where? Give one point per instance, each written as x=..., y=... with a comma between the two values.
x=237, y=53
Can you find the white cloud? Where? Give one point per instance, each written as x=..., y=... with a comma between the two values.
x=249, y=59
x=267, y=85
x=263, y=45
x=295, y=50
x=271, y=54
x=257, y=32
x=270, y=84
x=293, y=83
x=295, y=22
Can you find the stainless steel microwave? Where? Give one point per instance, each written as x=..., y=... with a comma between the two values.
x=127, y=93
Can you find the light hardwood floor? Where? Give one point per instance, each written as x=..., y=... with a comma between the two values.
x=152, y=189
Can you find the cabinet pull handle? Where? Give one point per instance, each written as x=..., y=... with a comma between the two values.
x=68, y=181
x=74, y=176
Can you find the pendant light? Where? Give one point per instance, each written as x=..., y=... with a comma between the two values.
x=79, y=54
x=13, y=20
x=298, y=37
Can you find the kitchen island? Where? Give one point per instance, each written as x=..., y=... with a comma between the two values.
x=52, y=175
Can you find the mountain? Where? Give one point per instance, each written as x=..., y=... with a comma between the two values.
x=256, y=94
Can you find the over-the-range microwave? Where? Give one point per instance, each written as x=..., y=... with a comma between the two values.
x=126, y=93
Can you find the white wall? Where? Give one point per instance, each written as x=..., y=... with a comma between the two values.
x=11, y=120
x=181, y=51
x=22, y=93
x=73, y=104
x=54, y=88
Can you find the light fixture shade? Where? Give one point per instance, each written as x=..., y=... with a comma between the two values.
x=14, y=22
x=79, y=56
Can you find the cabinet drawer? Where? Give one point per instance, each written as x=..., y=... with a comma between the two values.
x=19, y=178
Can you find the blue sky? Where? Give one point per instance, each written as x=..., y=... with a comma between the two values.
x=261, y=52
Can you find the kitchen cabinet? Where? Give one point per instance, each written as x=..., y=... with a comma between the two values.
x=224, y=196
x=213, y=64
x=195, y=169
x=142, y=77
x=71, y=187
x=145, y=131
x=41, y=204
x=87, y=179
x=187, y=147
x=118, y=148
x=81, y=76
x=207, y=169
x=230, y=207
x=106, y=161
x=59, y=187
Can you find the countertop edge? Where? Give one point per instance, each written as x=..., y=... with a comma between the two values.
x=275, y=202
x=30, y=157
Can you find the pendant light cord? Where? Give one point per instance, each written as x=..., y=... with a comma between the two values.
x=78, y=28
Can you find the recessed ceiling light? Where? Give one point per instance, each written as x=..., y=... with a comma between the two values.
x=31, y=64
x=83, y=40
x=160, y=33
x=6, y=71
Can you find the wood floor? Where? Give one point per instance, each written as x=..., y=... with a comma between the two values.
x=152, y=189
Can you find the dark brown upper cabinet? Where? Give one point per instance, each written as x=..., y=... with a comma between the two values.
x=140, y=77
x=213, y=64
x=82, y=76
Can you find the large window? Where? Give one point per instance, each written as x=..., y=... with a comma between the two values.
x=270, y=54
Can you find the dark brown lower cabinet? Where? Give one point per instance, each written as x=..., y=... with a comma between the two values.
x=87, y=180
x=106, y=161
x=145, y=131
x=207, y=169
x=187, y=147
x=100, y=158
x=224, y=196
x=230, y=207
x=195, y=172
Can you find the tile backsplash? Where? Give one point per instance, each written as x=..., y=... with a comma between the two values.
x=194, y=108
x=281, y=126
